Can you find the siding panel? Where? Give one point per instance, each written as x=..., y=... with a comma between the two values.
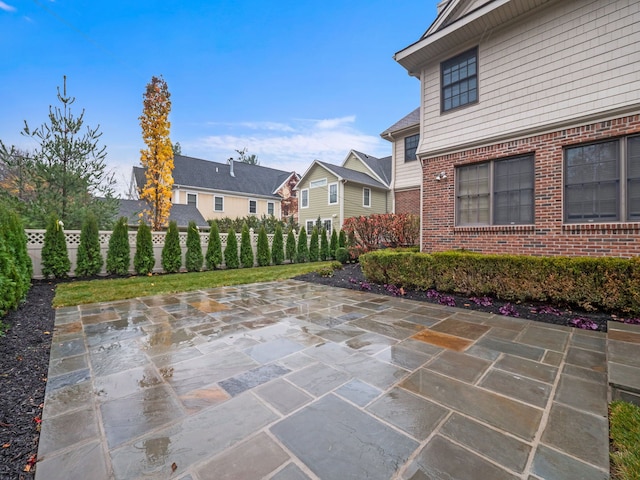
x=570, y=60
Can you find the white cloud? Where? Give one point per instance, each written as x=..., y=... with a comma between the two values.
x=290, y=147
x=334, y=123
x=7, y=8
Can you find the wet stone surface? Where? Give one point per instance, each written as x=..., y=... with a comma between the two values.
x=311, y=382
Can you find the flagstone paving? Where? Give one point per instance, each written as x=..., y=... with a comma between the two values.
x=291, y=380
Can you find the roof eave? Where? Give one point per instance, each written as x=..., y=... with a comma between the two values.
x=459, y=34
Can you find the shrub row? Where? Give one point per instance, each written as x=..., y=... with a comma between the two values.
x=368, y=233
x=609, y=284
x=15, y=264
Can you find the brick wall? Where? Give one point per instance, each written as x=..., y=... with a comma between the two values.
x=408, y=201
x=549, y=236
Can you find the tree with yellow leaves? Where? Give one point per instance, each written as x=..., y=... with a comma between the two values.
x=157, y=158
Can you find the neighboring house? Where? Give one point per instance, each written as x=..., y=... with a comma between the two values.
x=406, y=171
x=360, y=186
x=532, y=109
x=233, y=189
x=181, y=214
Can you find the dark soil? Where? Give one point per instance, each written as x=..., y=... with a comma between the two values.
x=24, y=356
x=24, y=362
x=351, y=276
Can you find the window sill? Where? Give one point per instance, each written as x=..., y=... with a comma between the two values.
x=494, y=229
x=599, y=228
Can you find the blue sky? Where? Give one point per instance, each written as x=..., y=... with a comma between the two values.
x=292, y=81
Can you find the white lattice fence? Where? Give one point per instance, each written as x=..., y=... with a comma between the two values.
x=35, y=241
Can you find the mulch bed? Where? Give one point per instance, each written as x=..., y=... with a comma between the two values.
x=24, y=356
x=24, y=362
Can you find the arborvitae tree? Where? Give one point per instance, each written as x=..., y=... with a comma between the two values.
x=342, y=239
x=89, y=258
x=333, y=244
x=303, y=247
x=314, y=247
x=144, y=259
x=264, y=256
x=324, y=245
x=214, y=247
x=157, y=158
x=277, y=249
x=15, y=263
x=194, y=258
x=231, y=250
x=171, y=251
x=55, y=258
x=119, y=253
x=291, y=247
x=246, y=251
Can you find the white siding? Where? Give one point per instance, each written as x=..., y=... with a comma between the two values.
x=573, y=60
x=407, y=174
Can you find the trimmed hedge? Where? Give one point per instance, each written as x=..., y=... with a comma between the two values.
x=277, y=249
x=15, y=264
x=610, y=284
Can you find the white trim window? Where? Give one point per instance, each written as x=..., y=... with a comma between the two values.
x=304, y=198
x=192, y=199
x=366, y=197
x=333, y=193
x=309, y=226
x=271, y=208
x=326, y=224
x=322, y=182
x=218, y=203
x=253, y=206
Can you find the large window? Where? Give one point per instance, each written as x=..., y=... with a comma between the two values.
x=333, y=193
x=496, y=193
x=218, y=204
x=304, y=198
x=410, y=147
x=366, y=197
x=192, y=199
x=602, y=181
x=459, y=77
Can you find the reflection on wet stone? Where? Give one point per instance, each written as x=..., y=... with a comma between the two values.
x=252, y=378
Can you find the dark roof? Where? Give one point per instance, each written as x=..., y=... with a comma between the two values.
x=181, y=214
x=353, y=175
x=381, y=166
x=405, y=122
x=247, y=179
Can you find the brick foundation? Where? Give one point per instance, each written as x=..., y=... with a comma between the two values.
x=549, y=235
x=408, y=201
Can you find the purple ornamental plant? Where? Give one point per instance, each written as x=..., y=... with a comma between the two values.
x=584, y=323
x=482, y=301
x=509, y=310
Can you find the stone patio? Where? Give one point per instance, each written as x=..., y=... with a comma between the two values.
x=290, y=380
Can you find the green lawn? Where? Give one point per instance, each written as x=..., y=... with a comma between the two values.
x=77, y=293
x=624, y=431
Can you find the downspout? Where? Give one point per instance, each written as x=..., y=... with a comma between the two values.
x=393, y=171
x=341, y=184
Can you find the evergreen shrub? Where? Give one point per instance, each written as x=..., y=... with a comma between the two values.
x=194, y=258
x=119, y=252
x=90, y=260
x=144, y=259
x=171, y=251
x=55, y=258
